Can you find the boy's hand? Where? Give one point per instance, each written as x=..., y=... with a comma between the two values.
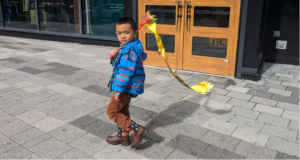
x=117, y=97
x=114, y=52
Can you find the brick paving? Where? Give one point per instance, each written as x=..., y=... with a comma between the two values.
x=54, y=95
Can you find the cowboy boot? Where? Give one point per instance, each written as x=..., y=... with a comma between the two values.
x=121, y=138
x=138, y=132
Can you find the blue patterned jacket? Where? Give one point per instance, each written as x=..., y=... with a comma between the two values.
x=129, y=74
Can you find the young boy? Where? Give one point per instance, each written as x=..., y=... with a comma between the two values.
x=127, y=82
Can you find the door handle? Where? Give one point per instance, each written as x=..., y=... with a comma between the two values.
x=179, y=6
x=188, y=7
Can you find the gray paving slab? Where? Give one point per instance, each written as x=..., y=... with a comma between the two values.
x=6, y=143
x=27, y=135
x=37, y=140
x=188, y=145
x=284, y=146
x=275, y=120
x=281, y=155
x=30, y=70
x=84, y=121
x=252, y=151
x=262, y=94
x=240, y=111
x=219, y=91
x=59, y=98
x=46, y=93
x=175, y=94
x=6, y=102
x=32, y=156
x=156, y=89
x=277, y=86
x=101, y=129
x=47, y=106
x=17, y=109
x=263, y=101
x=18, y=152
x=14, y=127
x=33, y=100
x=98, y=90
x=74, y=154
x=221, y=140
x=242, y=103
x=219, y=97
x=281, y=98
x=257, y=87
x=142, y=113
x=89, y=144
x=50, y=148
x=239, y=95
x=294, y=125
x=280, y=132
x=67, y=133
x=214, y=152
x=293, y=89
x=247, y=123
x=180, y=155
x=64, y=113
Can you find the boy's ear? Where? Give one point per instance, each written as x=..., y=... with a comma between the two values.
x=136, y=33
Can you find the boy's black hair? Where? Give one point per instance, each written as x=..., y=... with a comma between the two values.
x=129, y=20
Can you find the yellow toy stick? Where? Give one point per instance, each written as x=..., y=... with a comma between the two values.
x=202, y=87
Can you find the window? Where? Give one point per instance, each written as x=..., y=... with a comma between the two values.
x=99, y=17
x=0, y=18
x=59, y=15
x=19, y=14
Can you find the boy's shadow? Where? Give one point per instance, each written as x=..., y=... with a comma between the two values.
x=163, y=119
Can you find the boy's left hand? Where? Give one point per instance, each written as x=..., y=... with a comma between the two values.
x=117, y=97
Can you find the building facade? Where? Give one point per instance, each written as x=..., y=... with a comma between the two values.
x=224, y=37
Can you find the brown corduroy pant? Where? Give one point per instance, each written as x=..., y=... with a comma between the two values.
x=118, y=111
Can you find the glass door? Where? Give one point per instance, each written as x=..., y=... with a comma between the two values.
x=210, y=36
x=170, y=27
x=199, y=35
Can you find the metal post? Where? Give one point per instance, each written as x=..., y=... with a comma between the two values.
x=37, y=16
x=80, y=16
x=243, y=22
x=1, y=13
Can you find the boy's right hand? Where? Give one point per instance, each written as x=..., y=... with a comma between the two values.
x=117, y=97
x=114, y=53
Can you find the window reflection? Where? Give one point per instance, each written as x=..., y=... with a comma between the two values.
x=0, y=18
x=164, y=14
x=209, y=47
x=100, y=16
x=212, y=16
x=59, y=15
x=168, y=41
x=19, y=14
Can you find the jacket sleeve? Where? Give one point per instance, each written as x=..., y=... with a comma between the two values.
x=112, y=62
x=126, y=71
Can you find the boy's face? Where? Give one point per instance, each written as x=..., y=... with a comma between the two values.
x=125, y=33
